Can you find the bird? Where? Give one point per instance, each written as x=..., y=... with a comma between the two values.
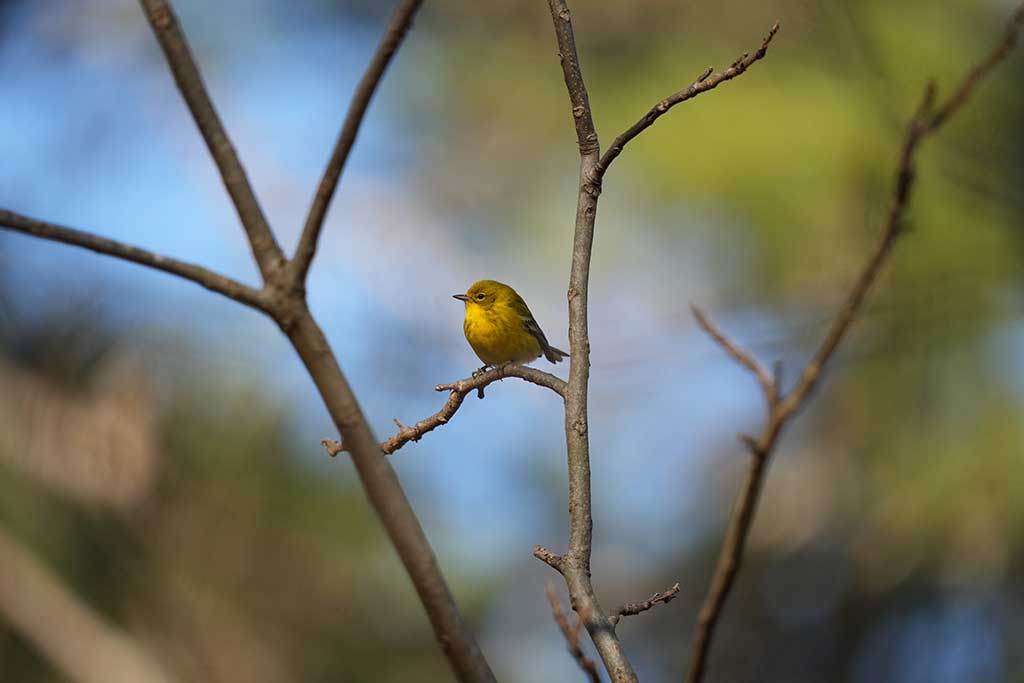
x=500, y=327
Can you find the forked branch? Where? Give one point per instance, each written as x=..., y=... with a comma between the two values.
x=781, y=408
x=284, y=300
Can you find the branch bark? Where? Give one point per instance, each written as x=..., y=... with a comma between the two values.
x=459, y=390
x=782, y=408
x=397, y=29
x=572, y=636
x=164, y=22
x=631, y=609
x=386, y=496
x=706, y=81
x=575, y=564
x=101, y=245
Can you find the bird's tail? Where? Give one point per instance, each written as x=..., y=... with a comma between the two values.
x=554, y=355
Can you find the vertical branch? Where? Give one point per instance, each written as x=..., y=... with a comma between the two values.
x=265, y=249
x=400, y=23
x=575, y=565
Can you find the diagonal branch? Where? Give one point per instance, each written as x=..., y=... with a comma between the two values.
x=400, y=23
x=978, y=73
x=201, y=276
x=768, y=384
x=172, y=40
x=572, y=636
x=926, y=120
x=706, y=81
x=459, y=390
x=631, y=609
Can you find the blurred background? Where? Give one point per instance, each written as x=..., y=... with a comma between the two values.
x=163, y=494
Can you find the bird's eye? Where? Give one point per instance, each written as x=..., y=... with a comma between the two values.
x=480, y=296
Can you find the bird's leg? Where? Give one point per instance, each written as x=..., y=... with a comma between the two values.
x=481, y=370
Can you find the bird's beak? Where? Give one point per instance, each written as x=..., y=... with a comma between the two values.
x=460, y=297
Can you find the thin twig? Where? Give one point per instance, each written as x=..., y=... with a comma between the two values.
x=172, y=40
x=978, y=73
x=201, y=276
x=459, y=390
x=706, y=81
x=572, y=636
x=633, y=608
x=547, y=557
x=769, y=387
x=927, y=119
x=397, y=29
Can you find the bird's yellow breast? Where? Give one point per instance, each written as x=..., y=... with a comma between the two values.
x=498, y=335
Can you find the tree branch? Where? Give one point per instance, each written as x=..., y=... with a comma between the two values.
x=459, y=390
x=397, y=29
x=387, y=497
x=286, y=304
x=631, y=609
x=201, y=276
x=575, y=564
x=926, y=120
x=172, y=40
x=706, y=81
x=572, y=636
x=769, y=387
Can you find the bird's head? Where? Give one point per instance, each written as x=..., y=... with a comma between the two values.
x=485, y=294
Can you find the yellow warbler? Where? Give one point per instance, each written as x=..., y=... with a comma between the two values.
x=500, y=327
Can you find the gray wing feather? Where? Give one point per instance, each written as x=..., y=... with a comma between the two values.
x=550, y=352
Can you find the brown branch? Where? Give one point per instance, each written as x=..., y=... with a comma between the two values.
x=633, y=608
x=575, y=564
x=386, y=496
x=978, y=73
x=572, y=636
x=706, y=81
x=769, y=387
x=926, y=120
x=459, y=390
x=400, y=23
x=287, y=305
x=547, y=557
x=201, y=276
x=179, y=57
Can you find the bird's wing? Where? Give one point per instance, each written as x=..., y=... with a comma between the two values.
x=533, y=328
